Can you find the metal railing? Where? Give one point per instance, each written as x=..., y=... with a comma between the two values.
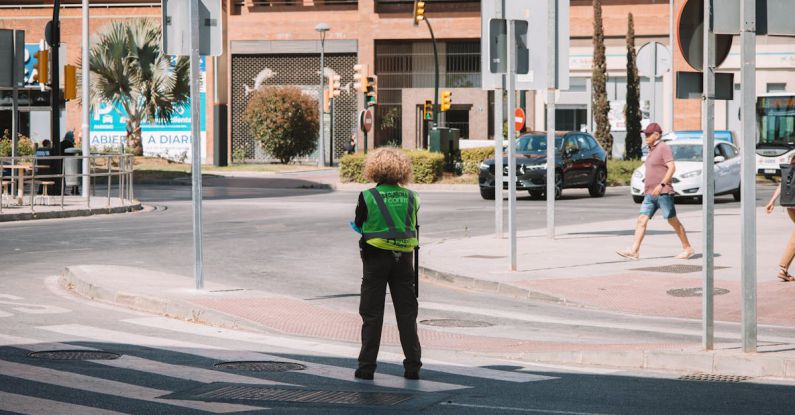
x=113, y=169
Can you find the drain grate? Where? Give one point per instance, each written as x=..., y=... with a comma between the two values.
x=261, y=366
x=695, y=292
x=449, y=322
x=263, y=393
x=706, y=377
x=74, y=355
x=675, y=269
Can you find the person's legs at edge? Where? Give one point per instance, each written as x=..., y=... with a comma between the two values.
x=669, y=213
x=640, y=232
x=405, y=302
x=371, y=307
x=647, y=210
x=789, y=252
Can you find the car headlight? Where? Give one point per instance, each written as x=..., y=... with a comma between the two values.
x=484, y=166
x=637, y=174
x=690, y=174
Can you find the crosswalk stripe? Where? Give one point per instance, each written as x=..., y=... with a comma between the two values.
x=329, y=349
x=142, y=365
x=29, y=405
x=107, y=387
x=239, y=354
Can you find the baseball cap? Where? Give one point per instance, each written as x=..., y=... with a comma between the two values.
x=652, y=128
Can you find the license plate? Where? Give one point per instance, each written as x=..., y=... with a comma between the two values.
x=770, y=171
x=769, y=161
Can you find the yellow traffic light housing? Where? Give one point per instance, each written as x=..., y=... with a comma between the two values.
x=69, y=82
x=360, y=77
x=42, y=66
x=371, y=98
x=419, y=12
x=447, y=100
x=427, y=110
x=326, y=101
x=334, y=86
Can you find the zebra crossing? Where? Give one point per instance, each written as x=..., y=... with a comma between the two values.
x=167, y=366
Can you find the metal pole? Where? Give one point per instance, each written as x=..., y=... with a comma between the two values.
x=708, y=125
x=55, y=82
x=653, y=108
x=511, y=63
x=671, y=57
x=196, y=161
x=321, y=146
x=499, y=195
x=331, y=133
x=85, y=140
x=748, y=189
x=436, y=79
x=552, y=69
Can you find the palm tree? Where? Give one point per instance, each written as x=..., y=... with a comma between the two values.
x=129, y=69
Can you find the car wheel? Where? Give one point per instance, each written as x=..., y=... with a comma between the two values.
x=637, y=199
x=558, y=185
x=487, y=194
x=599, y=185
x=736, y=194
x=536, y=194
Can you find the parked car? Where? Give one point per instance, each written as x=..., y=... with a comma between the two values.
x=720, y=135
x=580, y=163
x=687, y=181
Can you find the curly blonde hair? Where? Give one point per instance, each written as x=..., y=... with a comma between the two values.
x=388, y=165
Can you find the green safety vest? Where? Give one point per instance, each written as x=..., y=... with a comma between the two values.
x=391, y=218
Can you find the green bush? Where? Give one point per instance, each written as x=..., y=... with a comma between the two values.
x=351, y=168
x=284, y=121
x=619, y=172
x=24, y=145
x=426, y=166
x=472, y=157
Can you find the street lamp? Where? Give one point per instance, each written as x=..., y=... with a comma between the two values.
x=322, y=28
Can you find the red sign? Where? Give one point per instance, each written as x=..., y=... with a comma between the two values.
x=518, y=119
x=366, y=121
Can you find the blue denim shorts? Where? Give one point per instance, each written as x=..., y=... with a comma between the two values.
x=651, y=204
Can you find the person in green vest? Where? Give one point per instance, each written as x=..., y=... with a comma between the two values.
x=386, y=218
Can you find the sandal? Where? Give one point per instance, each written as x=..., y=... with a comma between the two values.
x=784, y=275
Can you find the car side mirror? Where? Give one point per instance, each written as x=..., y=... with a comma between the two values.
x=719, y=159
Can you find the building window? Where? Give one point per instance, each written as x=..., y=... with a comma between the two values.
x=776, y=87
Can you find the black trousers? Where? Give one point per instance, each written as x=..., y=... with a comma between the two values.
x=381, y=268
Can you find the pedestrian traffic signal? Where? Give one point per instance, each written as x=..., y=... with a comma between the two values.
x=447, y=100
x=42, y=66
x=360, y=77
x=334, y=86
x=371, y=97
x=419, y=12
x=427, y=110
x=69, y=82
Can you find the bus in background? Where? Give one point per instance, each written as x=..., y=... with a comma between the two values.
x=775, y=117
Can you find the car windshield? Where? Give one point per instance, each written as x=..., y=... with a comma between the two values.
x=535, y=143
x=687, y=152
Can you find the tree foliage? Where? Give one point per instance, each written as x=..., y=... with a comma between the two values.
x=632, y=113
x=129, y=69
x=601, y=106
x=284, y=121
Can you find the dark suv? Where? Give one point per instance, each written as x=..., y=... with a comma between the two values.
x=580, y=163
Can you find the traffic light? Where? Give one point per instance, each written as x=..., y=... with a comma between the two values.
x=42, y=66
x=447, y=100
x=427, y=110
x=69, y=82
x=419, y=12
x=360, y=77
x=372, y=92
x=334, y=86
x=326, y=101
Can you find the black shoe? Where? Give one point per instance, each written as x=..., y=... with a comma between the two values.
x=412, y=374
x=361, y=374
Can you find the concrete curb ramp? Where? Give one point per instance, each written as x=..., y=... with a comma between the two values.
x=71, y=213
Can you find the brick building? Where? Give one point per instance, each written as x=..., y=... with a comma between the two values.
x=273, y=42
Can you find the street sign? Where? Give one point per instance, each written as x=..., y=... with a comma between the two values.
x=690, y=85
x=691, y=36
x=366, y=121
x=518, y=119
x=773, y=17
x=176, y=27
x=654, y=60
x=498, y=49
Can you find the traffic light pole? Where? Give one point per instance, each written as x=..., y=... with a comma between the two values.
x=55, y=82
x=436, y=79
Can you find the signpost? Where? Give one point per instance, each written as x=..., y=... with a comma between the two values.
x=654, y=60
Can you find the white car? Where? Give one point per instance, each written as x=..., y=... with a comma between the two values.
x=688, y=180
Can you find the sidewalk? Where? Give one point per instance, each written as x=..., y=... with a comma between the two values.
x=74, y=206
x=233, y=307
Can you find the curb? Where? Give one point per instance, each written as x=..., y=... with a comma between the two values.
x=182, y=310
x=61, y=214
x=469, y=283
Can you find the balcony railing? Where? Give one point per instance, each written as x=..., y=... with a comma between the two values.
x=433, y=6
x=284, y=5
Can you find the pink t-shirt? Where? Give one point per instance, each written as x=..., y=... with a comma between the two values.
x=656, y=169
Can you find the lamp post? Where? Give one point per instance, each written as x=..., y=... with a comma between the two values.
x=322, y=28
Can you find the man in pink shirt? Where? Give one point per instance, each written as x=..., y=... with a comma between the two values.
x=659, y=194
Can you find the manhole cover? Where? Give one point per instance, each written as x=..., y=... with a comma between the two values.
x=674, y=269
x=705, y=377
x=261, y=366
x=74, y=355
x=695, y=292
x=264, y=393
x=449, y=322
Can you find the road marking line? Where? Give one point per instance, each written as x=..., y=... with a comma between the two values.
x=239, y=354
x=331, y=349
x=29, y=405
x=508, y=408
x=108, y=387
